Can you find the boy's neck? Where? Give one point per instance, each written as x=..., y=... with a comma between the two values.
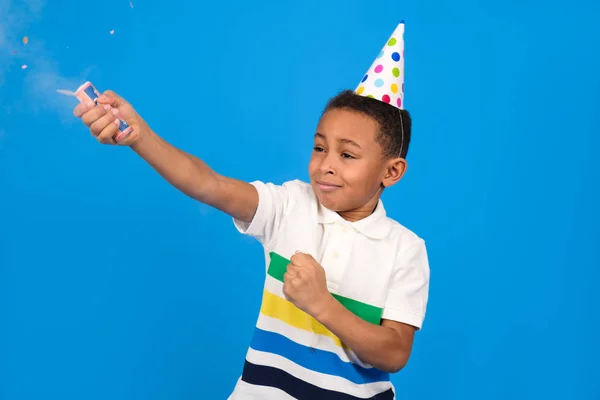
x=361, y=212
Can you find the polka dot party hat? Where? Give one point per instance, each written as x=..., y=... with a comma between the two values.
x=384, y=81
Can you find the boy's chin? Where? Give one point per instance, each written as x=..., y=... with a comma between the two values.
x=330, y=202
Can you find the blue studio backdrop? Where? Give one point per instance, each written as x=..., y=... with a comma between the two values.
x=114, y=285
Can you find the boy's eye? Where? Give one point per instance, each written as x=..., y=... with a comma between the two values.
x=346, y=155
x=318, y=148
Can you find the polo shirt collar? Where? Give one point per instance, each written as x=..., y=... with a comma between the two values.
x=375, y=226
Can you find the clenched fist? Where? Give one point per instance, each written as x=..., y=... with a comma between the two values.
x=102, y=119
x=305, y=286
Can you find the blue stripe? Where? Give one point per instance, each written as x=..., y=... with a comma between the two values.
x=317, y=360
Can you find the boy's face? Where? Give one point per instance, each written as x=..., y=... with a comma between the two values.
x=347, y=167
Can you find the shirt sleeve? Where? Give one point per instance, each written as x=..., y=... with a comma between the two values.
x=408, y=291
x=273, y=206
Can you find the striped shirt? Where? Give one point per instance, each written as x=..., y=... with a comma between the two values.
x=375, y=267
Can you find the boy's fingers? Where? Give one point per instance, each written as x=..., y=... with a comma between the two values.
x=82, y=108
x=300, y=259
x=98, y=126
x=288, y=276
x=292, y=269
x=111, y=98
x=108, y=133
x=92, y=115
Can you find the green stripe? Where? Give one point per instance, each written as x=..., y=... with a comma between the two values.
x=278, y=267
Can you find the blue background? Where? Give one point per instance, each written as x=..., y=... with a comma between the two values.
x=113, y=285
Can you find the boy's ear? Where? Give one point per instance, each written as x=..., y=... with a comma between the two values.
x=396, y=168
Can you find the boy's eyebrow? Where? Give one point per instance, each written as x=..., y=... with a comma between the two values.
x=347, y=141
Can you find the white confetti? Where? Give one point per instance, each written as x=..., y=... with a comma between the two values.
x=24, y=66
x=131, y=4
x=112, y=31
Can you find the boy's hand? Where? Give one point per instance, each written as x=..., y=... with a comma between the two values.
x=102, y=119
x=305, y=285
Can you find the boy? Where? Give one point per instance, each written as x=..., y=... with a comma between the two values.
x=346, y=287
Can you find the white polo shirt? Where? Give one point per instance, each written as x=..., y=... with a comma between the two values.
x=375, y=267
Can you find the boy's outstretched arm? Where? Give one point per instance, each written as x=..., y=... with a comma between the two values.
x=187, y=173
x=196, y=179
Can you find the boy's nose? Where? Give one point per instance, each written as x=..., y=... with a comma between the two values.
x=327, y=168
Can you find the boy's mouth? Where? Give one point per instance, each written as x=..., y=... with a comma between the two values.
x=327, y=186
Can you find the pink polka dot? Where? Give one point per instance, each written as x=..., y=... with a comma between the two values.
x=386, y=98
x=399, y=102
x=379, y=68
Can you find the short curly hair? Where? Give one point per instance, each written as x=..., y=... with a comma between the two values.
x=394, y=124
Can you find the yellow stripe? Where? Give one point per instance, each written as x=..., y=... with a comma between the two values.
x=275, y=307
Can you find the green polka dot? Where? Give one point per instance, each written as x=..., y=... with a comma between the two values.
x=396, y=72
x=371, y=96
x=392, y=42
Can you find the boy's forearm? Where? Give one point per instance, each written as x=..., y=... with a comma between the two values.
x=187, y=173
x=379, y=346
x=196, y=179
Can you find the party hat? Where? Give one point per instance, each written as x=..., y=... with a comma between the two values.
x=384, y=81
